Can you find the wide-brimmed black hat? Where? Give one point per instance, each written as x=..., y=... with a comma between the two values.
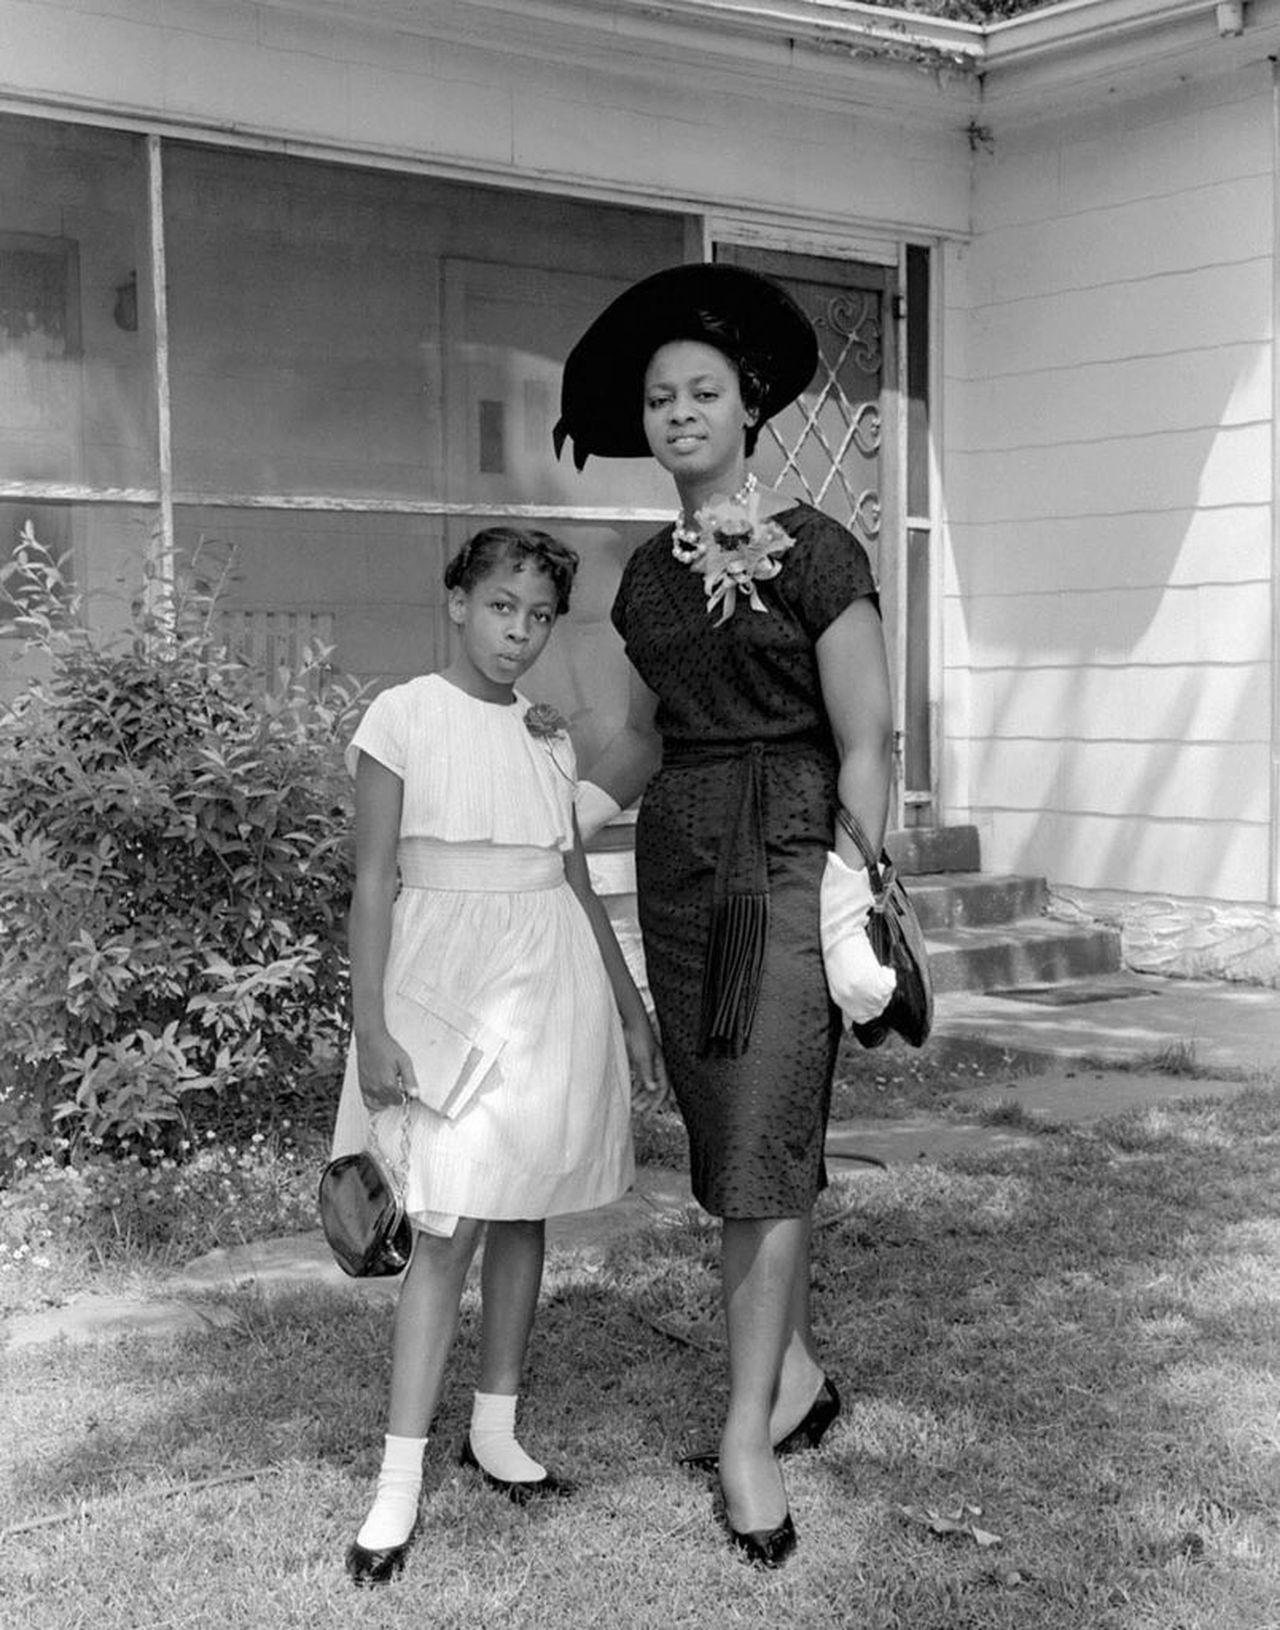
x=602, y=393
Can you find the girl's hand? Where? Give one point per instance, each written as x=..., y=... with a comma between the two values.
x=650, y=1087
x=385, y=1071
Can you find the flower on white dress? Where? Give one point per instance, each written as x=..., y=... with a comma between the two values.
x=545, y=723
x=549, y=726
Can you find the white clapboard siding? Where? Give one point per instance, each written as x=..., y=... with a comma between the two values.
x=1107, y=473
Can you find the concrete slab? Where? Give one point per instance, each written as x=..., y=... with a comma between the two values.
x=1069, y=1095
x=102, y=1318
x=659, y=1195
x=1123, y=1018
x=294, y=1261
x=285, y=1263
x=922, y=1137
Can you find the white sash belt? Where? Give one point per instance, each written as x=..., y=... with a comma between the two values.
x=491, y=868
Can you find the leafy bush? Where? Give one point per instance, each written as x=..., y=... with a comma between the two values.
x=174, y=874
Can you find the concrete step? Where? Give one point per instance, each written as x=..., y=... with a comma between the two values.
x=975, y=899
x=918, y=850
x=1031, y=951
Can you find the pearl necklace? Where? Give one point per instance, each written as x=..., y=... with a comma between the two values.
x=687, y=541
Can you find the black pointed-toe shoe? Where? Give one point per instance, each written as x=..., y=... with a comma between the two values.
x=366, y=1567
x=544, y=1488
x=813, y=1428
x=808, y=1435
x=765, y=1547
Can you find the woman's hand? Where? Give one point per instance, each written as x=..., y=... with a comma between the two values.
x=385, y=1071
x=650, y=1087
x=860, y=985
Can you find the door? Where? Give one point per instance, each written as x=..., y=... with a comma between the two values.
x=839, y=445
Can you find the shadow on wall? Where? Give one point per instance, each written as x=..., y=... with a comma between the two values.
x=1115, y=599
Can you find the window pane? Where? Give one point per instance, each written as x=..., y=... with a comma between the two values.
x=368, y=585
x=365, y=334
x=76, y=348
x=101, y=547
x=371, y=587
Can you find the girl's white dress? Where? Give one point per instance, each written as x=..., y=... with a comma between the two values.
x=494, y=982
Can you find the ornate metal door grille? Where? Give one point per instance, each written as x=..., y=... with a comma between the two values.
x=828, y=445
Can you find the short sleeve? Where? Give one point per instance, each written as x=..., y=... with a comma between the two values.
x=618, y=612
x=381, y=734
x=827, y=571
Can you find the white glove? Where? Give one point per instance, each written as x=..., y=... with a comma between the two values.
x=860, y=985
x=594, y=808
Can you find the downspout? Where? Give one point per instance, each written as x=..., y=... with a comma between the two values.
x=1273, y=856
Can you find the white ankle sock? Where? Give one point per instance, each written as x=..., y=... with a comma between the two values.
x=493, y=1439
x=395, y=1505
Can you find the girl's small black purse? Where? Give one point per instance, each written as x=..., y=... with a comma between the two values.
x=898, y=942
x=362, y=1215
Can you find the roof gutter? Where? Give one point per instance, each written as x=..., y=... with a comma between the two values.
x=1094, y=25
x=1079, y=29
x=843, y=27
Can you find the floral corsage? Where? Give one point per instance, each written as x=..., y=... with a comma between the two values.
x=549, y=726
x=545, y=723
x=733, y=548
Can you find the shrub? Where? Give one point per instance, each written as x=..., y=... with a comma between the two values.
x=174, y=875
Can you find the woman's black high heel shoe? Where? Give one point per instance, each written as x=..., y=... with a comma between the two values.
x=545, y=1488
x=813, y=1428
x=366, y=1567
x=808, y=1435
x=765, y=1547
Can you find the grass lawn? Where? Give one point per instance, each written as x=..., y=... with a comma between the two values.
x=1075, y=1348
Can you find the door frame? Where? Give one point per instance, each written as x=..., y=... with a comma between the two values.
x=899, y=528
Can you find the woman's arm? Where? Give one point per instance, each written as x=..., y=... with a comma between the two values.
x=386, y=1070
x=853, y=671
x=642, y=1048
x=854, y=675
x=623, y=769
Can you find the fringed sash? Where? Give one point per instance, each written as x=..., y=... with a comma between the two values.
x=739, y=931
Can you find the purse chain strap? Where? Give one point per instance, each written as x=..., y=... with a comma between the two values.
x=879, y=867
x=398, y=1173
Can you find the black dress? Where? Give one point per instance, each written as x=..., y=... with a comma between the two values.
x=746, y=792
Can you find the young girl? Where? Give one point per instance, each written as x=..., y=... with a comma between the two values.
x=489, y=1060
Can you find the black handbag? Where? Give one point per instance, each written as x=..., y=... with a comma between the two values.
x=362, y=1215
x=898, y=942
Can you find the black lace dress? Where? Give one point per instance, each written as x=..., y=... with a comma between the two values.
x=731, y=842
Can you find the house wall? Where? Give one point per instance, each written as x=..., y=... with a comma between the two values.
x=1108, y=480
x=478, y=93
x=308, y=303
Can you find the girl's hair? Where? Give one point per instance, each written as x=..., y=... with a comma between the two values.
x=487, y=550
x=753, y=366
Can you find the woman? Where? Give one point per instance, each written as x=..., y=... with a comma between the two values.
x=759, y=704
